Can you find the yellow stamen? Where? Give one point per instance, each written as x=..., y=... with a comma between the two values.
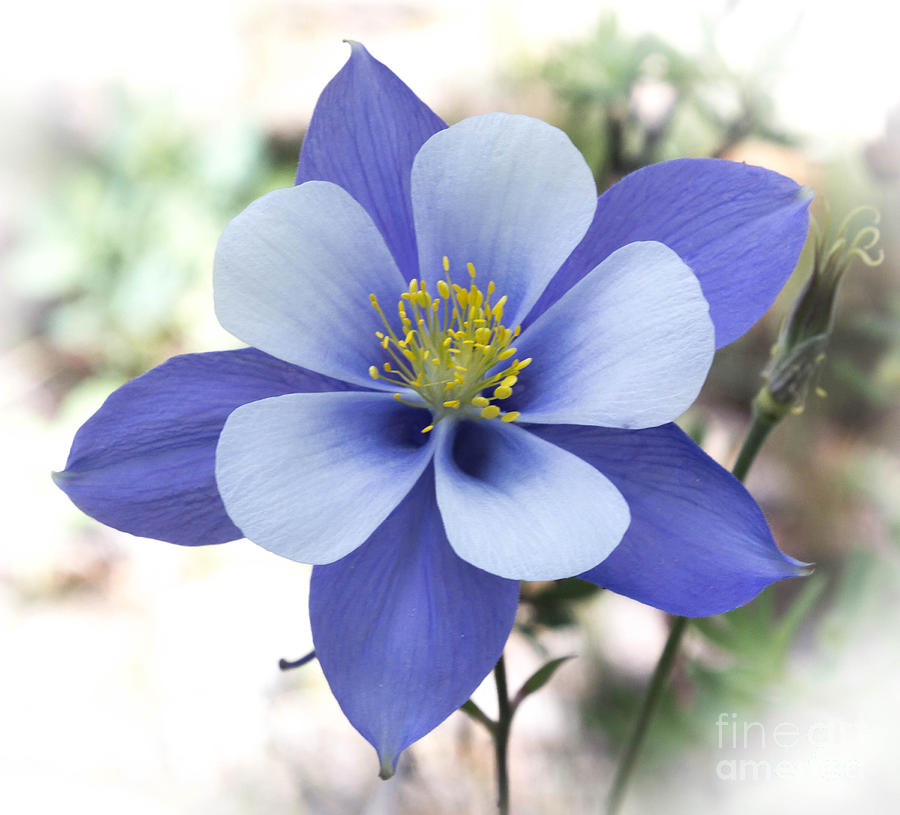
x=453, y=348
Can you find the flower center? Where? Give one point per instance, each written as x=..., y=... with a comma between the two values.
x=452, y=349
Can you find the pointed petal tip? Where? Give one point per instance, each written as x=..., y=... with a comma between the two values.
x=66, y=479
x=387, y=767
x=800, y=569
x=805, y=193
x=357, y=48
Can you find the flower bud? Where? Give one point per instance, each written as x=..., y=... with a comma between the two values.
x=803, y=338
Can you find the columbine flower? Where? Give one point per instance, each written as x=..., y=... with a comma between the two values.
x=466, y=374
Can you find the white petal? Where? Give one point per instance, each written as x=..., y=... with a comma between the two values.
x=510, y=194
x=293, y=275
x=519, y=507
x=629, y=345
x=311, y=475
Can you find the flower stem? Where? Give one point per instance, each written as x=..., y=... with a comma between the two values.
x=501, y=736
x=762, y=423
x=760, y=427
x=649, y=706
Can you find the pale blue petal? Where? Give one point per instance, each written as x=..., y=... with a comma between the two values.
x=404, y=629
x=311, y=476
x=627, y=346
x=519, y=507
x=510, y=194
x=293, y=275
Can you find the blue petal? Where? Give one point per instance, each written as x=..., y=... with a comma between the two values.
x=144, y=462
x=510, y=194
x=698, y=543
x=740, y=229
x=404, y=629
x=364, y=134
x=518, y=507
x=310, y=476
x=627, y=346
x=293, y=276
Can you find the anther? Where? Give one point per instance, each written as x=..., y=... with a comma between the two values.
x=447, y=354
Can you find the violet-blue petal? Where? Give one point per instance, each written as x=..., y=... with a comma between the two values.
x=698, y=543
x=310, y=476
x=521, y=508
x=364, y=133
x=629, y=345
x=144, y=463
x=404, y=629
x=509, y=194
x=740, y=228
x=293, y=276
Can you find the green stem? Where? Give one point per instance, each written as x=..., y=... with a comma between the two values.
x=762, y=424
x=501, y=736
x=649, y=706
x=760, y=427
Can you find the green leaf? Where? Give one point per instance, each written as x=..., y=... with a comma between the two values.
x=474, y=712
x=540, y=678
x=800, y=609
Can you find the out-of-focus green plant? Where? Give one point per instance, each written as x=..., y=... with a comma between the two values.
x=630, y=101
x=127, y=230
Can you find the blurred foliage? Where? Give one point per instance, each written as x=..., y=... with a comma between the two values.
x=631, y=101
x=551, y=605
x=129, y=228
